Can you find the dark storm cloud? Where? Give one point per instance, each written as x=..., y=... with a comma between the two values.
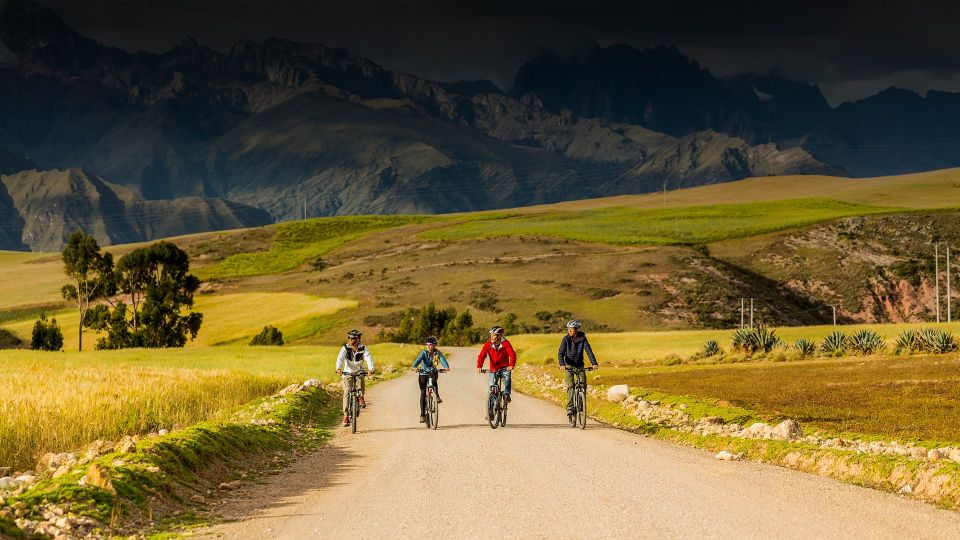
x=851, y=48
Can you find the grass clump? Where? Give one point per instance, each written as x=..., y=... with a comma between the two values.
x=834, y=344
x=710, y=348
x=937, y=341
x=865, y=342
x=805, y=347
x=754, y=340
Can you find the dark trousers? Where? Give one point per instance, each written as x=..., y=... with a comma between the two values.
x=423, y=390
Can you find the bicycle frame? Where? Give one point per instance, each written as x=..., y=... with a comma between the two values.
x=353, y=400
x=496, y=405
x=579, y=395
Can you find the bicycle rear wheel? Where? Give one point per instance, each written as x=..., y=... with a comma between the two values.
x=354, y=412
x=493, y=411
x=433, y=412
x=581, y=404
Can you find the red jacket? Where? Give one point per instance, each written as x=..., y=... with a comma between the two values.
x=500, y=357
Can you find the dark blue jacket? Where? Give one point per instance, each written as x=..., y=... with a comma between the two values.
x=572, y=349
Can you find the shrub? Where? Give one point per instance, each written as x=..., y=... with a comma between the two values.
x=865, y=342
x=937, y=341
x=268, y=336
x=600, y=294
x=908, y=341
x=46, y=335
x=754, y=340
x=835, y=343
x=710, y=348
x=805, y=347
x=8, y=340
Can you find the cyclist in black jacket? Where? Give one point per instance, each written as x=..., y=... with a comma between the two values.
x=572, y=347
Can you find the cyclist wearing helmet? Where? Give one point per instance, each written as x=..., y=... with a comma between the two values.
x=501, y=356
x=426, y=366
x=349, y=361
x=572, y=347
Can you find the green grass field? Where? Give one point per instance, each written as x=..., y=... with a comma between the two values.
x=300, y=242
x=55, y=402
x=684, y=225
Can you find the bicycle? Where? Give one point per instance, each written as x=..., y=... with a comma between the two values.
x=579, y=396
x=353, y=400
x=496, y=401
x=433, y=403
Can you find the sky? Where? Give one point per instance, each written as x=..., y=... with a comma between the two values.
x=852, y=49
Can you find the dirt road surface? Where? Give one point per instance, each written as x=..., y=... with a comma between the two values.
x=538, y=478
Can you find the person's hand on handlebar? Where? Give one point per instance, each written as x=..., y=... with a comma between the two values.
x=596, y=367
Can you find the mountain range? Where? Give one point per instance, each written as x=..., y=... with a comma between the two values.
x=301, y=129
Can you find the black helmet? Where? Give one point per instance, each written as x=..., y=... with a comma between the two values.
x=498, y=330
x=354, y=334
x=431, y=340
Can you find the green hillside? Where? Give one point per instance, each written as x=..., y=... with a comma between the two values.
x=646, y=262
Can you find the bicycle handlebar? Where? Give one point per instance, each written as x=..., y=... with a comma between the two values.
x=494, y=371
x=574, y=368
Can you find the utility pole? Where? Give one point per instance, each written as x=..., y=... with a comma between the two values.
x=948, y=283
x=743, y=301
x=834, y=315
x=751, y=313
x=936, y=273
x=664, y=193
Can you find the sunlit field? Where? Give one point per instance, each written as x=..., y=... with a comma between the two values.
x=633, y=348
x=54, y=402
x=227, y=318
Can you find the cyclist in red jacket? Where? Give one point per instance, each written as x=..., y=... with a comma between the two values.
x=501, y=356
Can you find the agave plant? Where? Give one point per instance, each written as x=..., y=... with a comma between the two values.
x=834, y=343
x=805, y=347
x=865, y=342
x=937, y=341
x=763, y=339
x=740, y=340
x=908, y=341
x=710, y=348
x=754, y=340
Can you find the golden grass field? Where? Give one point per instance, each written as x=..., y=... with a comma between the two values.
x=231, y=318
x=55, y=402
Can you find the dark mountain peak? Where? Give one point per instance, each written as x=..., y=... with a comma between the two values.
x=471, y=88
x=25, y=24
x=657, y=87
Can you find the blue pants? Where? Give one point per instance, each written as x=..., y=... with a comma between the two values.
x=491, y=380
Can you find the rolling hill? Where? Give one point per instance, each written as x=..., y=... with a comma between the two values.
x=620, y=263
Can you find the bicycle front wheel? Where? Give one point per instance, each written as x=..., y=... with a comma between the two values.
x=581, y=403
x=493, y=411
x=433, y=411
x=355, y=412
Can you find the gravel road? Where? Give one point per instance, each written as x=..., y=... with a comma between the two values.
x=538, y=478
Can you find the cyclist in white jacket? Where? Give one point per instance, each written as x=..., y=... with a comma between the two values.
x=349, y=362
